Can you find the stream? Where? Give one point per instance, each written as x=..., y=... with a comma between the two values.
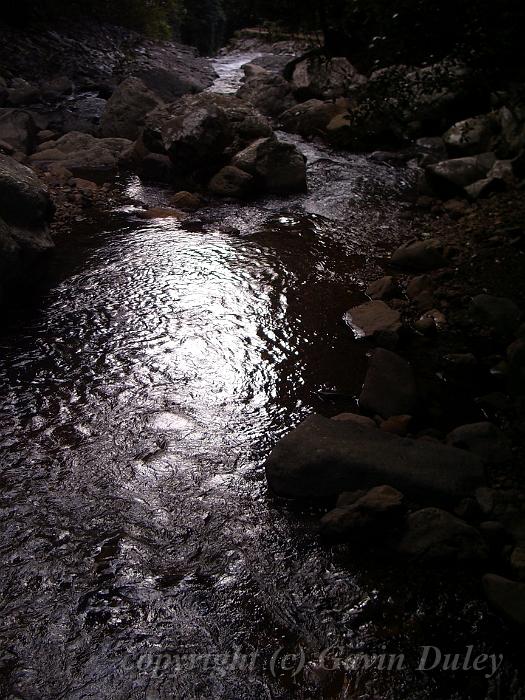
x=142, y=555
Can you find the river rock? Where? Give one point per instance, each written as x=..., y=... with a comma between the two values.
x=126, y=109
x=499, y=314
x=363, y=421
x=187, y=201
x=156, y=167
x=516, y=366
x=202, y=132
x=310, y=118
x=383, y=288
x=231, y=182
x=80, y=152
x=420, y=256
x=321, y=458
x=18, y=129
x=450, y=177
x=81, y=114
x=324, y=78
x=434, y=534
x=276, y=167
x=507, y=597
x=485, y=188
x=268, y=92
x=371, y=318
x=484, y=439
x=390, y=386
x=471, y=137
x=373, y=515
x=25, y=211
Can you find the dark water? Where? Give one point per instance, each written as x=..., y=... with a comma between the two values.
x=140, y=393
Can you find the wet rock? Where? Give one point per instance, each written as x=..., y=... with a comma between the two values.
x=420, y=256
x=499, y=314
x=56, y=88
x=18, y=129
x=502, y=170
x=434, y=534
x=397, y=425
x=126, y=109
x=275, y=166
x=471, y=137
x=202, y=132
x=82, y=114
x=24, y=96
x=80, y=152
x=390, y=386
x=507, y=597
x=451, y=177
x=516, y=366
x=484, y=439
x=456, y=208
x=356, y=418
x=187, y=201
x=321, y=458
x=310, y=118
x=231, y=182
x=371, y=318
x=268, y=92
x=485, y=187
x=418, y=285
x=425, y=325
x=157, y=168
x=160, y=213
x=24, y=199
x=373, y=515
x=324, y=78
x=383, y=288
x=348, y=498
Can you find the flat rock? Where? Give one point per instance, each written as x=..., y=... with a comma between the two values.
x=507, y=597
x=500, y=314
x=434, y=534
x=321, y=458
x=484, y=439
x=383, y=288
x=373, y=317
x=420, y=256
x=390, y=386
x=356, y=418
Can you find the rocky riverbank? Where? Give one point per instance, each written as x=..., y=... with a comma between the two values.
x=443, y=325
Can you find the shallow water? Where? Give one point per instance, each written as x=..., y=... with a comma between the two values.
x=141, y=393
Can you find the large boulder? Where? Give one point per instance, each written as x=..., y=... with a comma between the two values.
x=25, y=211
x=450, y=177
x=268, y=92
x=507, y=597
x=371, y=516
x=324, y=77
x=321, y=458
x=420, y=256
x=18, y=128
x=498, y=314
x=373, y=318
x=310, y=118
x=126, y=109
x=471, y=137
x=202, y=132
x=484, y=439
x=390, y=386
x=433, y=534
x=231, y=182
x=276, y=167
x=80, y=153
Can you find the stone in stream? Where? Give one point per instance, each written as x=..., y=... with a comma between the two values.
x=268, y=92
x=471, y=137
x=356, y=418
x=450, y=177
x=323, y=78
x=275, y=166
x=484, y=439
x=310, y=118
x=18, y=129
x=80, y=153
x=435, y=534
x=507, y=597
x=389, y=388
x=373, y=514
x=382, y=288
x=321, y=458
x=127, y=108
x=231, y=182
x=187, y=201
x=373, y=317
x=499, y=314
x=420, y=256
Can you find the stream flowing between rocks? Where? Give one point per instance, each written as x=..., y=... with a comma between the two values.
x=141, y=392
